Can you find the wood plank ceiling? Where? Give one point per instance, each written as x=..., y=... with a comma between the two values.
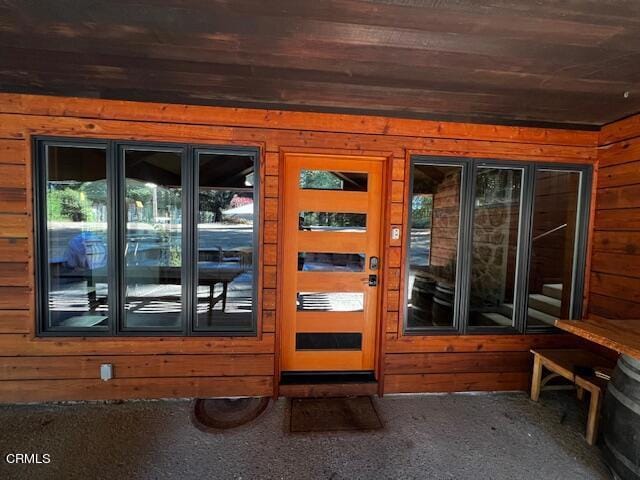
x=544, y=62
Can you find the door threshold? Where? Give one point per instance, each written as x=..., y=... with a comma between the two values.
x=328, y=384
x=328, y=390
x=322, y=377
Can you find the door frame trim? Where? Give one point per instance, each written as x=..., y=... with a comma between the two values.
x=386, y=157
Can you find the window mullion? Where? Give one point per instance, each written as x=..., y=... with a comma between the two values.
x=188, y=222
x=115, y=236
x=524, y=249
x=467, y=246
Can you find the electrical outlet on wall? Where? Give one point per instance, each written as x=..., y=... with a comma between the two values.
x=106, y=371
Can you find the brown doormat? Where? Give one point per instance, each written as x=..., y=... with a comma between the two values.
x=333, y=414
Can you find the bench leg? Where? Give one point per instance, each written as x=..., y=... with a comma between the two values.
x=224, y=296
x=594, y=416
x=580, y=393
x=536, y=378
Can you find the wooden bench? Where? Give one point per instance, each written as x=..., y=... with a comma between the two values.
x=563, y=363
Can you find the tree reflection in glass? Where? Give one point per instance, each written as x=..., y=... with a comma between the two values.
x=225, y=242
x=76, y=201
x=153, y=243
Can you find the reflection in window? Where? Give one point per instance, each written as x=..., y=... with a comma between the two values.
x=330, y=301
x=328, y=180
x=153, y=248
x=225, y=272
x=496, y=225
x=330, y=262
x=76, y=200
x=332, y=222
x=433, y=245
x=553, y=246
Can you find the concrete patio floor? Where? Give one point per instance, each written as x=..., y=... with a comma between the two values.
x=456, y=436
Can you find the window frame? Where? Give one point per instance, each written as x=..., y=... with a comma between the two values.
x=195, y=152
x=465, y=165
x=116, y=236
x=121, y=236
x=470, y=167
x=580, y=242
x=523, y=221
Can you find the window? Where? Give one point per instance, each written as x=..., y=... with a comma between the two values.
x=497, y=213
x=556, y=229
x=328, y=180
x=226, y=279
x=145, y=238
x=153, y=253
x=494, y=246
x=75, y=237
x=433, y=245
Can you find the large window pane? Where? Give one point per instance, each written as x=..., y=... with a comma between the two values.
x=553, y=246
x=496, y=226
x=76, y=222
x=153, y=239
x=433, y=245
x=226, y=213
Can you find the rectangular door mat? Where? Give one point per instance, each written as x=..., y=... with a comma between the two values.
x=333, y=414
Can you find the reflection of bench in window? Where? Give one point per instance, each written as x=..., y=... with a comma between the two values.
x=210, y=274
x=238, y=255
x=215, y=263
x=62, y=276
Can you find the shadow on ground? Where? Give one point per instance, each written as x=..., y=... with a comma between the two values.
x=455, y=436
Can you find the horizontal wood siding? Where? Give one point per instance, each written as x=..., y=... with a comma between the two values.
x=40, y=369
x=615, y=262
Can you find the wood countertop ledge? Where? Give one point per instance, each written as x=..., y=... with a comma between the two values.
x=622, y=336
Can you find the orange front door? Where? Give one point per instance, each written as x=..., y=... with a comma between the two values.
x=331, y=263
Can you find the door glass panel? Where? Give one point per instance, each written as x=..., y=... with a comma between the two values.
x=553, y=246
x=332, y=180
x=332, y=222
x=225, y=291
x=77, y=229
x=496, y=225
x=153, y=243
x=330, y=301
x=433, y=245
x=328, y=341
x=331, y=262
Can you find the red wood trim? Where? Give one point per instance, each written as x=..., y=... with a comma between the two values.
x=245, y=117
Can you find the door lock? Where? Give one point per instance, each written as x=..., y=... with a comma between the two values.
x=373, y=263
x=373, y=280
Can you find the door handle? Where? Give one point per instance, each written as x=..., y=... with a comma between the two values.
x=373, y=280
x=373, y=263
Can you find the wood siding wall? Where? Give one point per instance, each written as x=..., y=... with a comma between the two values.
x=615, y=277
x=41, y=369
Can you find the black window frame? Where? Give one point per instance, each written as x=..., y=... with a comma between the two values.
x=465, y=165
x=196, y=151
x=116, y=218
x=470, y=167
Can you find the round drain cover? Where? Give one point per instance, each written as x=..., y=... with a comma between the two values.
x=223, y=413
